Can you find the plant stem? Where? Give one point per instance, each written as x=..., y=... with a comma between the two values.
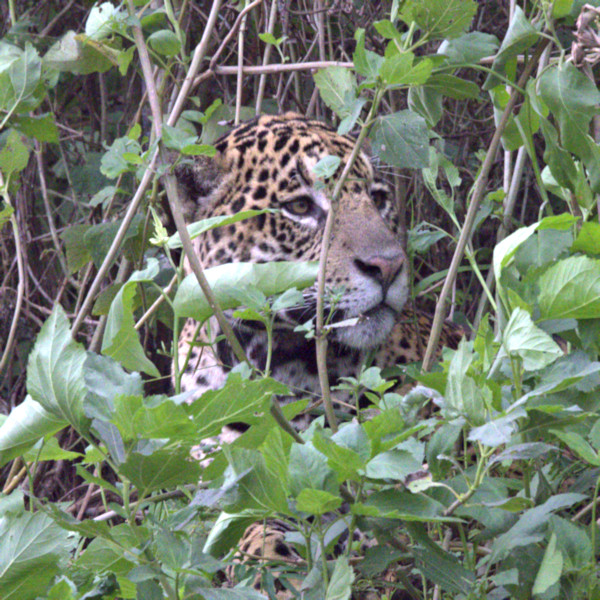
x=478, y=194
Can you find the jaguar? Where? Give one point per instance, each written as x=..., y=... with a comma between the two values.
x=269, y=163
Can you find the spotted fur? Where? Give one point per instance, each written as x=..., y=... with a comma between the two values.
x=268, y=164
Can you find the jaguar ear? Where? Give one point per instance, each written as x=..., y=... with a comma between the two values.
x=196, y=183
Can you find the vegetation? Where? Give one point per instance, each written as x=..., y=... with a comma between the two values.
x=491, y=111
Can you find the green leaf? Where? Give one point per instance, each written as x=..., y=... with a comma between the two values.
x=336, y=85
x=14, y=155
x=578, y=445
x=161, y=469
x=366, y=63
x=394, y=504
x=308, y=468
x=55, y=371
x=317, y=502
x=588, y=239
x=103, y=20
x=340, y=583
x=571, y=288
x=34, y=549
x=165, y=42
x=469, y=48
x=99, y=238
x=24, y=426
x=573, y=542
x=440, y=18
x=113, y=161
x=105, y=379
x=199, y=227
x=573, y=101
x=239, y=400
x=531, y=527
x=121, y=340
x=22, y=88
x=399, y=70
x=41, y=127
x=240, y=593
x=439, y=566
x=71, y=54
x=399, y=463
x=77, y=252
x=402, y=140
x=550, y=569
x=523, y=339
x=326, y=167
x=452, y=86
x=520, y=36
x=256, y=488
x=226, y=280
x=345, y=462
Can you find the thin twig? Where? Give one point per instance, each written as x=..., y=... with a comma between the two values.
x=170, y=184
x=478, y=194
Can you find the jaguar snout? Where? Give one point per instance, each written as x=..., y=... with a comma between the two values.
x=383, y=268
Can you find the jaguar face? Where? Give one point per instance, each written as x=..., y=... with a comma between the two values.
x=269, y=163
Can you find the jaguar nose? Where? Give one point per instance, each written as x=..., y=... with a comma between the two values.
x=382, y=268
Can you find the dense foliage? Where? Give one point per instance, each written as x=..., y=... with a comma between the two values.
x=491, y=111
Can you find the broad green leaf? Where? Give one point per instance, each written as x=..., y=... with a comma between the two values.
x=578, y=445
x=469, y=48
x=440, y=18
x=14, y=155
x=402, y=140
x=49, y=450
x=308, y=468
x=317, y=502
x=588, y=239
x=102, y=20
x=345, y=462
x=452, y=86
x=573, y=101
x=399, y=463
x=427, y=102
x=531, y=527
x=239, y=400
x=571, y=288
x=573, y=542
x=113, y=161
x=497, y=431
x=240, y=593
x=103, y=556
x=70, y=53
x=78, y=254
x=506, y=249
x=196, y=229
x=22, y=88
x=226, y=280
x=25, y=425
x=326, y=167
x=34, y=549
x=439, y=566
x=98, y=238
x=226, y=532
x=161, y=469
x=400, y=70
x=121, y=340
x=366, y=63
x=55, y=371
x=256, y=488
x=395, y=504
x=523, y=339
x=340, y=583
x=105, y=379
x=41, y=127
x=550, y=569
x=336, y=85
x=164, y=42
x=520, y=36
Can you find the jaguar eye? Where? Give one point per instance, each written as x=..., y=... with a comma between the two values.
x=300, y=207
